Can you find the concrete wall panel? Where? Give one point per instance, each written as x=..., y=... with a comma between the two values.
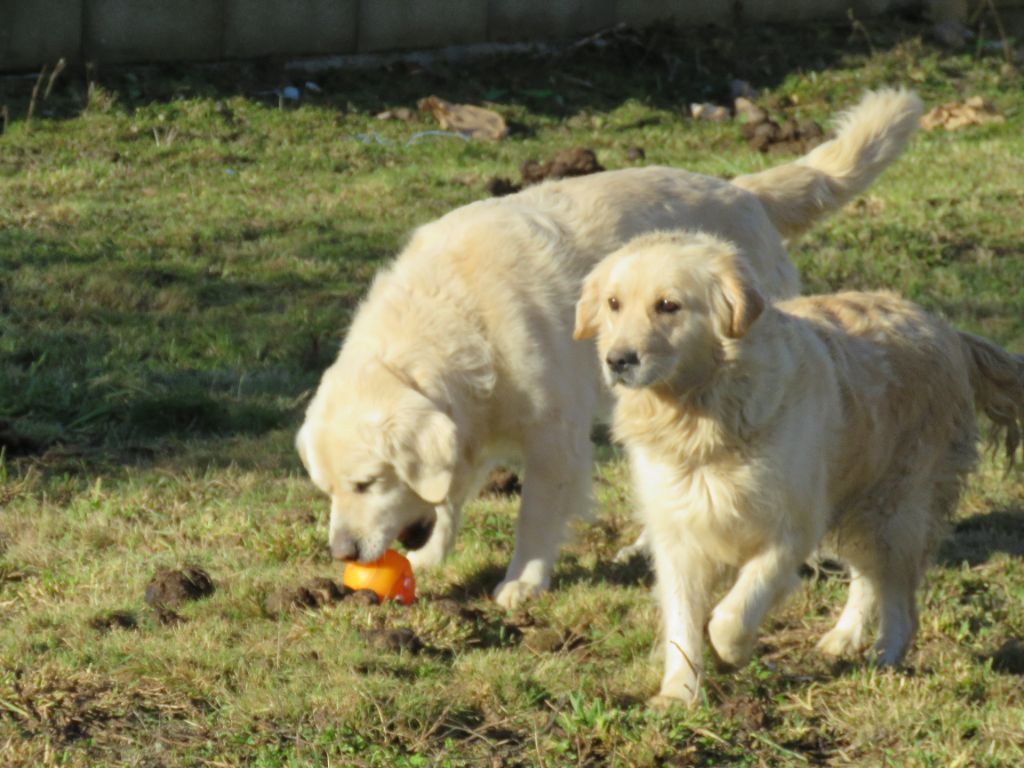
x=396, y=24
x=292, y=28
x=153, y=30
x=514, y=20
x=641, y=12
x=39, y=32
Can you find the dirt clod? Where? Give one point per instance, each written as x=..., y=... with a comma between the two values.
x=502, y=482
x=105, y=622
x=765, y=135
x=168, y=617
x=575, y=161
x=499, y=186
x=1010, y=657
x=394, y=640
x=174, y=587
x=315, y=594
x=749, y=711
x=636, y=154
x=364, y=597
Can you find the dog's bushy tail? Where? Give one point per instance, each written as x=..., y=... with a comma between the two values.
x=870, y=136
x=997, y=378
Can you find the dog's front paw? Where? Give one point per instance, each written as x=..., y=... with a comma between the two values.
x=842, y=642
x=732, y=643
x=512, y=593
x=426, y=557
x=680, y=690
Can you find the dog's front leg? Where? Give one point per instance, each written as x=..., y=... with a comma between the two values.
x=685, y=579
x=556, y=487
x=442, y=538
x=762, y=581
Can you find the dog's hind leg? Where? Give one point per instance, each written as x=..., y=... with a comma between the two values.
x=557, y=463
x=897, y=607
x=894, y=573
x=441, y=540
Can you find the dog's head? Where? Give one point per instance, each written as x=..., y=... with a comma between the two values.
x=663, y=306
x=384, y=452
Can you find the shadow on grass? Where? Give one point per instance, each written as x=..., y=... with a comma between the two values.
x=96, y=355
x=636, y=572
x=977, y=538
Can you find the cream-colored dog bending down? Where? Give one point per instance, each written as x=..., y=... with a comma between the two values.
x=758, y=432
x=462, y=352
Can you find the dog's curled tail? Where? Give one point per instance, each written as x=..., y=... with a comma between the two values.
x=870, y=136
x=997, y=378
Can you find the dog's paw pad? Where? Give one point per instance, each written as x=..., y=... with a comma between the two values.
x=511, y=594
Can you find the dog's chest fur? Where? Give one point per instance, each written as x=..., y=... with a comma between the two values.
x=694, y=479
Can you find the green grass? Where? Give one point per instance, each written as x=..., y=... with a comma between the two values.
x=179, y=258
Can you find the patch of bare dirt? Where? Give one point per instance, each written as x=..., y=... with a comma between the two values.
x=67, y=707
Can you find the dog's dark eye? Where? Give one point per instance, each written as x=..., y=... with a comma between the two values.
x=613, y=304
x=364, y=485
x=666, y=307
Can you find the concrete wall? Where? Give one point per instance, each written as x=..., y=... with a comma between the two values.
x=37, y=32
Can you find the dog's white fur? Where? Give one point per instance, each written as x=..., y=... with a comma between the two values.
x=757, y=433
x=462, y=352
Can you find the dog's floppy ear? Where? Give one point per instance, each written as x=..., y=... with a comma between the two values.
x=735, y=298
x=420, y=441
x=589, y=305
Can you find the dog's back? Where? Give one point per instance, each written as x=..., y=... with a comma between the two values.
x=905, y=384
x=909, y=385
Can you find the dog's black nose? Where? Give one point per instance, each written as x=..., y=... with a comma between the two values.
x=619, y=362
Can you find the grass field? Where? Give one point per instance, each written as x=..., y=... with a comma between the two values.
x=180, y=253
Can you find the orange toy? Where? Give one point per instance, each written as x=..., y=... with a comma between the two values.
x=390, y=577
